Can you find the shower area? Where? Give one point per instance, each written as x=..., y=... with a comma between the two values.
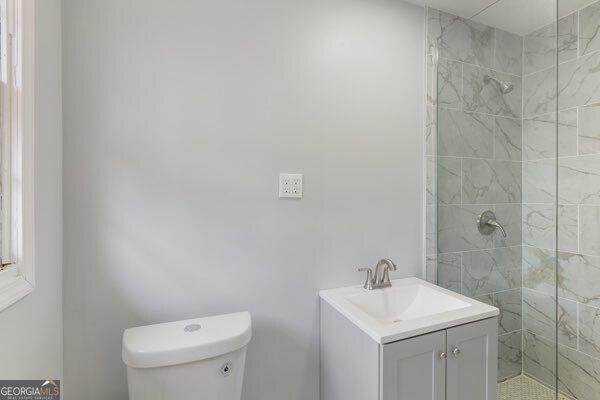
x=513, y=183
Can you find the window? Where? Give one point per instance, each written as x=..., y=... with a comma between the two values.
x=16, y=150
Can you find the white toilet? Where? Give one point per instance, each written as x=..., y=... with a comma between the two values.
x=200, y=359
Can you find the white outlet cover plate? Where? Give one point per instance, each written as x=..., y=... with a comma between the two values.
x=291, y=186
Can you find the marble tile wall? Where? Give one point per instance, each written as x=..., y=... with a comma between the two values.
x=474, y=152
x=499, y=152
x=576, y=272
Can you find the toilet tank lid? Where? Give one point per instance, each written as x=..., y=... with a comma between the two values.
x=186, y=341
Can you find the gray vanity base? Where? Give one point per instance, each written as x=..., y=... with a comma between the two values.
x=458, y=363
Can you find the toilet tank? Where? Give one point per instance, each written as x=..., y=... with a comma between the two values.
x=199, y=359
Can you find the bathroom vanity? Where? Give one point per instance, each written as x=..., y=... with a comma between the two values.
x=412, y=341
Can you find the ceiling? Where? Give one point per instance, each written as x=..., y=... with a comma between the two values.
x=517, y=16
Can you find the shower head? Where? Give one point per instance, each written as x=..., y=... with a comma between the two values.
x=505, y=86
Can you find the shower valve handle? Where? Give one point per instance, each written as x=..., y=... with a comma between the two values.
x=487, y=224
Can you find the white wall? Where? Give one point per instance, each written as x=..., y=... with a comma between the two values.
x=178, y=118
x=31, y=329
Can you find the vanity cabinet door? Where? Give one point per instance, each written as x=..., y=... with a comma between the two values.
x=472, y=361
x=414, y=369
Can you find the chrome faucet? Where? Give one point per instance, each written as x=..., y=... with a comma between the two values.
x=381, y=278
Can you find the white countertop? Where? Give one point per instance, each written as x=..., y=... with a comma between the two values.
x=385, y=331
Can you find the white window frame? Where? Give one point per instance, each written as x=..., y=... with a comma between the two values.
x=17, y=275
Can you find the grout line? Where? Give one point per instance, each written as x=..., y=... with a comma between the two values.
x=461, y=181
x=551, y=204
x=462, y=87
x=547, y=69
x=514, y=247
x=494, y=46
x=553, y=342
x=559, y=251
x=517, y=118
x=481, y=67
x=509, y=333
x=577, y=130
x=560, y=298
x=579, y=32
x=494, y=135
x=480, y=158
x=577, y=323
x=499, y=204
x=472, y=251
x=539, y=71
x=472, y=18
x=500, y=292
x=591, y=155
x=578, y=228
x=461, y=274
x=549, y=114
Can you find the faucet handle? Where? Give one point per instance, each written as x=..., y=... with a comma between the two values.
x=487, y=223
x=369, y=282
x=498, y=225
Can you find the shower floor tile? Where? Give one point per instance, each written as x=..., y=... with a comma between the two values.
x=524, y=388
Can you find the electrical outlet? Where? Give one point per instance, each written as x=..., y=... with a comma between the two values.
x=290, y=186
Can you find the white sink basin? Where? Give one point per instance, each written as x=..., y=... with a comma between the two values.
x=399, y=304
x=409, y=308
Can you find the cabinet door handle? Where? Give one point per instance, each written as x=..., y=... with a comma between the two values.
x=456, y=352
x=443, y=355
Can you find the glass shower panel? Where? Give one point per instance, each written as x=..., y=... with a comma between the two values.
x=579, y=199
x=492, y=173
